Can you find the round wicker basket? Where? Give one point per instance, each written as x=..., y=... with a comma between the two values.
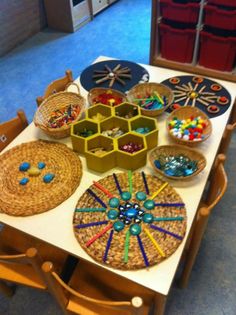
x=95, y=92
x=143, y=89
x=185, y=113
x=175, y=150
x=54, y=102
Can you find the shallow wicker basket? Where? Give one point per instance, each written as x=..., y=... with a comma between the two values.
x=143, y=89
x=95, y=92
x=54, y=102
x=168, y=150
x=185, y=113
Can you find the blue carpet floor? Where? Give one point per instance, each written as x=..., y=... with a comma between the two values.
x=122, y=31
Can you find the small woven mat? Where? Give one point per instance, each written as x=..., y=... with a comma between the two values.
x=37, y=196
x=156, y=240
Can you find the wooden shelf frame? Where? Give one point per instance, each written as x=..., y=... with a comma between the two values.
x=155, y=58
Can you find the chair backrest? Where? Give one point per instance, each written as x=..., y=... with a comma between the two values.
x=216, y=190
x=56, y=86
x=225, y=141
x=71, y=300
x=10, y=129
x=23, y=268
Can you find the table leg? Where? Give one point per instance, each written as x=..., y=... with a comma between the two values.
x=159, y=304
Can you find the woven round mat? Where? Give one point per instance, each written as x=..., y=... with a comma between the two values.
x=122, y=249
x=37, y=196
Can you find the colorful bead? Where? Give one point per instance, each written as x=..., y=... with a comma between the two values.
x=149, y=204
x=24, y=166
x=141, y=196
x=48, y=178
x=118, y=226
x=148, y=218
x=114, y=202
x=131, y=213
x=33, y=171
x=135, y=229
x=24, y=181
x=126, y=195
x=41, y=165
x=131, y=147
x=112, y=214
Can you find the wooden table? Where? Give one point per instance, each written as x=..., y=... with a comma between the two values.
x=55, y=226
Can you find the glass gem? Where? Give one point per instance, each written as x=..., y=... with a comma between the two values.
x=148, y=218
x=48, y=178
x=131, y=213
x=24, y=166
x=41, y=165
x=141, y=196
x=135, y=229
x=112, y=214
x=118, y=226
x=126, y=195
x=114, y=202
x=24, y=181
x=149, y=204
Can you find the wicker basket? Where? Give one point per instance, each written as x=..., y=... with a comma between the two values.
x=185, y=113
x=54, y=102
x=143, y=89
x=168, y=150
x=95, y=92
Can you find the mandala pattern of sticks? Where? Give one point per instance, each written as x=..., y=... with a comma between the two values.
x=208, y=95
x=116, y=74
x=130, y=220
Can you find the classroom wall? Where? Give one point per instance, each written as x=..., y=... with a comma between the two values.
x=19, y=20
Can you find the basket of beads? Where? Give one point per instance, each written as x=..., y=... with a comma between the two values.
x=105, y=96
x=57, y=112
x=153, y=98
x=177, y=162
x=188, y=125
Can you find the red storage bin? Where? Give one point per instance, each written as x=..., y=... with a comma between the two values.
x=187, y=13
x=216, y=17
x=177, y=44
x=217, y=52
x=230, y=3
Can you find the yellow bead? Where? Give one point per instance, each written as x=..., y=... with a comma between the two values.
x=33, y=171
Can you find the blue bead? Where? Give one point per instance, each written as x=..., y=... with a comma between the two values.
x=149, y=204
x=24, y=181
x=126, y=195
x=41, y=165
x=112, y=214
x=24, y=166
x=148, y=218
x=157, y=164
x=118, y=226
x=135, y=229
x=48, y=178
x=141, y=196
x=131, y=213
x=114, y=202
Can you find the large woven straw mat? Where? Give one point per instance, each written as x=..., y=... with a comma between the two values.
x=114, y=254
x=37, y=196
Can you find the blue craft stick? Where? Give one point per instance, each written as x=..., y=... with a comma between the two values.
x=90, y=210
x=169, y=204
x=108, y=245
x=85, y=225
x=96, y=197
x=157, y=228
x=145, y=183
x=117, y=183
x=169, y=219
x=143, y=251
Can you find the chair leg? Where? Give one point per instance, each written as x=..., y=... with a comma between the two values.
x=159, y=304
x=5, y=289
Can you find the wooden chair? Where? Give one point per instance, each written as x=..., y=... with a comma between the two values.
x=56, y=86
x=22, y=269
x=216, y=190
x=93, y=291
x=10, y=129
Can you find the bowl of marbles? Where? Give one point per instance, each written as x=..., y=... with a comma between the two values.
x=153, y=98
x=177, y=162
x=188, y=125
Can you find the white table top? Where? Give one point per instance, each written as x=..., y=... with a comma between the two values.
x=55, y=226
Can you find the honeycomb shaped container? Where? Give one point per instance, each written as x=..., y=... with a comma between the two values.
x=142, y=122
x=114, y=122
x=127, y=110
x=131, y=161
x=104, y=162
x=78, y=142
x=104, y=110
x=114, y=156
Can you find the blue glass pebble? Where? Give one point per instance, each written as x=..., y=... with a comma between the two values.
x=112, y=214
x=148, y=218
x=118, y=226
x=24, y=181
x=114, y=202
x=131, y=213
x=126, y=195
x=149, y=204
x=41, y=165
x=48, y=178
x=157, y=164
x=135, y=229
x=24, y=166
x=141, y=196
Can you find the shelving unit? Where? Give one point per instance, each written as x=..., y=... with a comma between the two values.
x=192, y=49
x=99, y=5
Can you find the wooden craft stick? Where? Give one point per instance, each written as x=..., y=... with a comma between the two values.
x=206, y=99
x=100, y=71
x=103, y=189
x=108, y=246
x=196, y=86
x=126, y=255
x=180, y=99
x=179, y=93
x=130, y=182
x=202, y=89
x=163, y=186
x=202, y=102
x=157, y=228
x=90, y=210
x=108, y=68
x=117, y=183
x=145, y=183
x=186, y=102
x=181, y=88
x=117, y=67
x=154, y=242
x=124, y=75
x=209, y=93
x=169, y=204
x=99, y=234
x=143, y=251
x=168, y=219
x=112, y=82
x=101, y=75
x=85, y=225
x=97, y=198
x=102, y=80
x=190, y=85
x=194, y=102
x=120, y=80
x=185, y=86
